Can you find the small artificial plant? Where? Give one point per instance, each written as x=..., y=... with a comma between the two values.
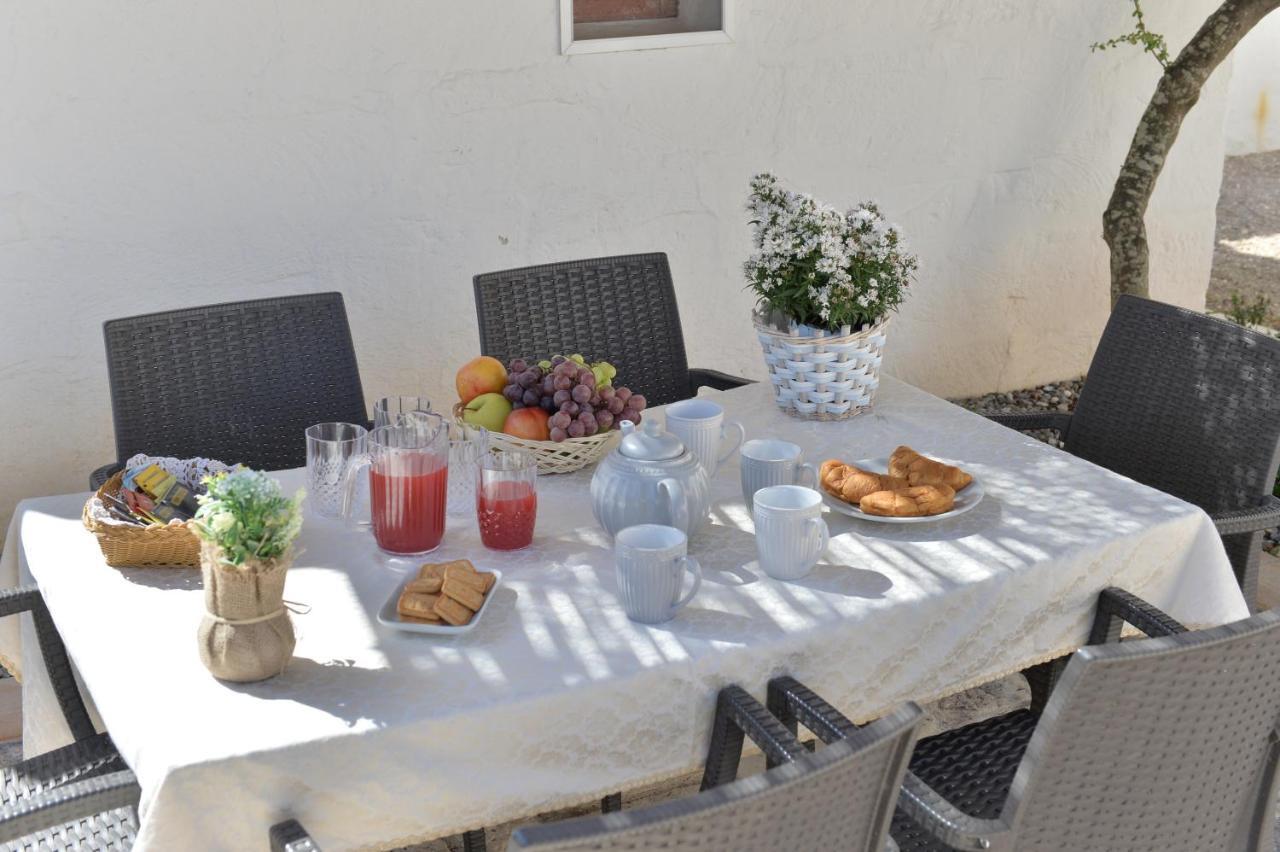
x=246, y=516
x=817, y=266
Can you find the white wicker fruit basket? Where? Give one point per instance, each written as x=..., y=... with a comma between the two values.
x=564, y=456
x=821, y=375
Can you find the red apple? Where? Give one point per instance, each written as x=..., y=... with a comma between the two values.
x=480, y=375
x=528, y=423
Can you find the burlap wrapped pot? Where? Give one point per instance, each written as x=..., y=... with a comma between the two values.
x=246, y=634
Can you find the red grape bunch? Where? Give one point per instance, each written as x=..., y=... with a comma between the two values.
x=580, y=399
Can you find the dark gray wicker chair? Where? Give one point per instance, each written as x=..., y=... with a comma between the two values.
x=1169, y=744
x=81, y=796
x=1187, y=404
x=840, y=798
x=237, y=382
x=619, y=309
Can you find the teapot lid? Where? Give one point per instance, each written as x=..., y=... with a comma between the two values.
x=649, y=443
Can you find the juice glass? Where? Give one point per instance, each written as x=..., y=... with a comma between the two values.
x=408, y=484
x=506, y=499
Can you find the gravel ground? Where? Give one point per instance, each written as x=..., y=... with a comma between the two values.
x=1246, y=258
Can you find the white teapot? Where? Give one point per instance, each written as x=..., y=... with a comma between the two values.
x=651, y=478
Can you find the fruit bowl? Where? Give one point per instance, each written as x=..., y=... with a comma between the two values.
x=552, y=456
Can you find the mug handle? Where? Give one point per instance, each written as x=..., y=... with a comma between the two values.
x=824, y=536
x=688, y=563
x=809, y=472
x=737, y=427
x=354, y=466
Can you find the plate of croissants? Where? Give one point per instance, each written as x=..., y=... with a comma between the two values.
x=906, y=488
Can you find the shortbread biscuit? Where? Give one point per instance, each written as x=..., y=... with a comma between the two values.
x=417, y=605
x=431, y=570
x=463, y=572
x=489, y=579
x=425, y=585
x=468, y=596
x=452, y=611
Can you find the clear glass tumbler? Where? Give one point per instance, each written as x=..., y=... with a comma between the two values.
x=391, y=410
x=463, y=453
x=506, y=499
x=330, y=449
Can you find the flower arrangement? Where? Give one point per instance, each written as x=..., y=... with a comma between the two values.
x=244, y=514
x=818, y=267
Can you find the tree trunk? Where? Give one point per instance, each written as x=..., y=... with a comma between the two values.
x=1176, y=93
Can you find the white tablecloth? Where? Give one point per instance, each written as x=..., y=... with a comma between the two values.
x=373, y=737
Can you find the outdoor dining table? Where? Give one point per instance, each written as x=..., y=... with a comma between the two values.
x=375, y=738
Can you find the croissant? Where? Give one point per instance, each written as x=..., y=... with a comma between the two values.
x=922, y=470
x=912, y=502
x=851, y=484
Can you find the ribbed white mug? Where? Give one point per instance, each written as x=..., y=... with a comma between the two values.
x=768, y=462
x=651, y=565
x=700, y=426
x=790, y=533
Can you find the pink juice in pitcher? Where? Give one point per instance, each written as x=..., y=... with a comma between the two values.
x=408, y=509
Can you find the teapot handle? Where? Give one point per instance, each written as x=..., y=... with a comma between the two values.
x=677, y=504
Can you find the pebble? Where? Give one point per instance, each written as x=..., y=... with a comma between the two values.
x=1060, y=396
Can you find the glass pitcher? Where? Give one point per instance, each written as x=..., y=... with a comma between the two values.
x=408, y=483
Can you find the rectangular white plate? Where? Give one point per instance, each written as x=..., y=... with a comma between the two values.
x=390, y=615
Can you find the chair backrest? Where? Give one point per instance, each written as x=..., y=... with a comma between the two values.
x=1162, y=744
x=616, y=309
x=1184, y=403
x=237, y=382
x=842, y=797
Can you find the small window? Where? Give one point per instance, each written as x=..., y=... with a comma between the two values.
x=597, y=26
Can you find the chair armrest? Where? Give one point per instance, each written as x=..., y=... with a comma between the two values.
x=1264, y=516
x=714, y=379
x=1039, y=420
x=737, y=713
x=290, y=836
x=28, y=599
x=99, y=477
x=67, y=803
x=1116, y=606
x=944, y=820
x=791, y=702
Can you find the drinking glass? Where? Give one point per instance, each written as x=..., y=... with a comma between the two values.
x=408, y=484
x=463, y=453
x=506, y=499
x=330, y=449
x=391, y=410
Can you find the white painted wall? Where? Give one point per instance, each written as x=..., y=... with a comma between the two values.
x=1253, y=100
x=158, y=155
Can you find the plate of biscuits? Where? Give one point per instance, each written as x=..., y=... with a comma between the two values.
x=443, y=598
x=906, y=488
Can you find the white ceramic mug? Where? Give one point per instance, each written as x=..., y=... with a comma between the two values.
x=768, y=462
x=790, y=532
x=700, y=426
x=651, y=564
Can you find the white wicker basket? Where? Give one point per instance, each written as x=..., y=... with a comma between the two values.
x=553, y=457
x=823, y=376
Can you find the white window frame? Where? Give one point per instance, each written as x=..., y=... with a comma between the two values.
x=570, y=47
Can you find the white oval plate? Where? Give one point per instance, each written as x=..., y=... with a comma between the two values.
x=390, y=613
x=965, y=500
